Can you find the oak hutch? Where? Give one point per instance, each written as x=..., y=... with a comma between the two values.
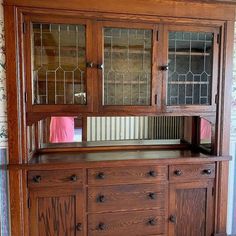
x=118, y=116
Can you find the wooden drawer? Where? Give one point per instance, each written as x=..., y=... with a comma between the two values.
x=136, y=223
x=185, y=172
x=55, y=178
x=143, y=174
x=126, y=197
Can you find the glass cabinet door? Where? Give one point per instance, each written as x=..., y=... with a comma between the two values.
x=127, y=67
x=59, y=76
x=191, y=77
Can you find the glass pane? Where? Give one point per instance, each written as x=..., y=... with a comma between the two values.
x=127, y=66
x=190, y=68
x=59, y=64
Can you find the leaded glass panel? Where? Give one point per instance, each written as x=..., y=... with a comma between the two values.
x=190, y=68
x=59, y=64
x=127, y=66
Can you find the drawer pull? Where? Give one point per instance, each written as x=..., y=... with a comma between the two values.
x=89, y=64
x=152, y=196
x=101, y=198
x=73, y=178
x=101, y=226
x=172, y=219
x=152, y=222
x=100, y=175
x=207, y=171
x=79, y=227
x=152, y=173
x=37, y=179
x=178, y=172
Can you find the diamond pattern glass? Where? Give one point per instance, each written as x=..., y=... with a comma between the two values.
x=190, y=68
x=127, y=66
x=59, y=64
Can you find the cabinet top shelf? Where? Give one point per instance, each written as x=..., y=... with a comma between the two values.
x=144, y=156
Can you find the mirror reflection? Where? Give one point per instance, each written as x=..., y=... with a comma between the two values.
x=155, y=130
x=205, y=133
x=65, y=129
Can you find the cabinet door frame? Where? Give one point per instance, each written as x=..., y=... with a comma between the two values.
x=155, y=101
x=215, y=69
x=209, y=186
x=77, y=192
x=35, y=110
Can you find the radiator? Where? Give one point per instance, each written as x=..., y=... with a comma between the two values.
x=134, y=128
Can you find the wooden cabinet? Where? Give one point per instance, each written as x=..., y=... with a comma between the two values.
x=57, y=211
x=191, y=208
x=136, y=67
x=192, y=59
x=128, y=79
x=118, y=58
x=57, y=52
x=136, y=204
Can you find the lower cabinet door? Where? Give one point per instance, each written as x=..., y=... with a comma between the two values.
x=57, y=212
x=191, y=209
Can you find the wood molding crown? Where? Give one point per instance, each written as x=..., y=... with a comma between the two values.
x=170, y=8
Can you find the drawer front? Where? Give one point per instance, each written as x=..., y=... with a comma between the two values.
x=141, y=223
x=55, y=178
x=143, y=174
x=185, y=172
x=126, y=197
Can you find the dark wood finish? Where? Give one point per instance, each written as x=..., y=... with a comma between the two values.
x=84, y=128
x=135, y=223
x=191, y=209
x=126, y=197
x=154, y=83
x=223, y=127
x=16, y=119
x=205, y=14
x=215, y=64
x=153, y=8
x=103, y=176
x=186, y=172
x=56, y=211
x=43, y=18
x=55, y=178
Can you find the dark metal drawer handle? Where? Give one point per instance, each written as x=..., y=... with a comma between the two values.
x=79, y=227
x=100, y=66
x=73, y=178
x=101, y=198
x=101, y=175
x=101, y=226
x=152, y=221
x=172, y=219
x=37, y=179
x=164, y=68
x=152, y=173
x=89, y=64
x=207, y=171
x=152, y=196
x=178, y=172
